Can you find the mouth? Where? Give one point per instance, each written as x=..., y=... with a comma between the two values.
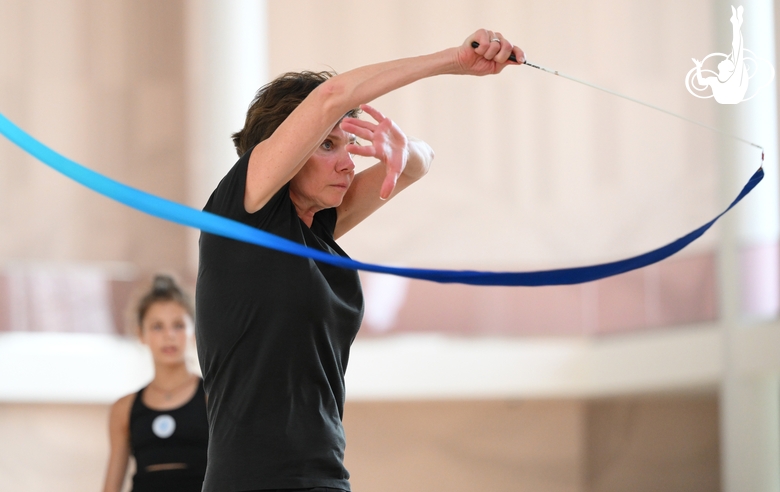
x=169, y=350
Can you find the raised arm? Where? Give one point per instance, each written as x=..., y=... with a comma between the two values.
x=402, y=161
x=119, y=437
x=277, y=159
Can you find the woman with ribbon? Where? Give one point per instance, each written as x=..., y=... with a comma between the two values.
x=274, y=330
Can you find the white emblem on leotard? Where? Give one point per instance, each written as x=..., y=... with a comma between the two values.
x=163, y=426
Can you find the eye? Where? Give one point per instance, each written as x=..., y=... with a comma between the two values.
x=327, y=144
x=179, y=325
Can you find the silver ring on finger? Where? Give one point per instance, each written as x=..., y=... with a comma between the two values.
x=495, y=40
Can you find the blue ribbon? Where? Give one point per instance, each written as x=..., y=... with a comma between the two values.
x=215, y=224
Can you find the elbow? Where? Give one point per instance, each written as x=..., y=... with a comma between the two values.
x=427, y=159
x=421, y=157
x=429, y=156
x=428, y=162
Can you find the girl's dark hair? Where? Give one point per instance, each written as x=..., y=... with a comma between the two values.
x=164, y=289
x=273, y=103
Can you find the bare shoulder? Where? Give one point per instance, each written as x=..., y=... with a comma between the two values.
x=119, y=415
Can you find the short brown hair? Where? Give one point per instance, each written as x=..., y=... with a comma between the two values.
x=273, y=103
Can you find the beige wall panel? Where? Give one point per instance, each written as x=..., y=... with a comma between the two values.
x=532, y=171
x=102, y=83
x=465, y=446
x=653, y=443
x=53, y=447
x=644, y=443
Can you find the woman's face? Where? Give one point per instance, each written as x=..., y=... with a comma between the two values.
x=165, y=330
x=325, y=178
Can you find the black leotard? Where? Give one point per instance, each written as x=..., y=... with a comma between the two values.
x=166, y=437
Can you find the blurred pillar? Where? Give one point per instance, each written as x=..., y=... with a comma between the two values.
x=227, y=61
x=748, y=266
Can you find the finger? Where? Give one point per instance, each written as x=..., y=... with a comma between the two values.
x=388, y=185
x=358, y=130
x=494, y=48
x=361, y=133
x=362, y=150
x=356, y=122
x=373, y=112
x=482, y=37
x=504, y=51
x=519, y=54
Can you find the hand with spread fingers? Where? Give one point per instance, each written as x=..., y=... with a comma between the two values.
x=388, y=143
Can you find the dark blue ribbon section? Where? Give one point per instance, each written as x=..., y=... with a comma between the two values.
x=215, y=224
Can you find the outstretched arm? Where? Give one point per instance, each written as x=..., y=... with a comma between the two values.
x=277, y=159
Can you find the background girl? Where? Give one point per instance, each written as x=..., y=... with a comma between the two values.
x=164, y=424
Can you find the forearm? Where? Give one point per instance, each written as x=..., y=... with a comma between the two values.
x=304, y=130
x=362, y=85
x=117, y=468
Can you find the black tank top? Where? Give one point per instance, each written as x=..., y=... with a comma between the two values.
x=180, y=435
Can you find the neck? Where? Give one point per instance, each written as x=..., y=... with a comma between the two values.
x=304, y=210
x=306, y=217
x=166, y=375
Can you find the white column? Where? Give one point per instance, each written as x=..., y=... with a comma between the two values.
x=227, y=61
x=759, y=214
x=749, y=403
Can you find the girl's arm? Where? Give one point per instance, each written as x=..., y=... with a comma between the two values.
x=119, y=436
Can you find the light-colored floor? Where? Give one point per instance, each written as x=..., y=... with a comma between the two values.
x=53, y=447
x=645, y=443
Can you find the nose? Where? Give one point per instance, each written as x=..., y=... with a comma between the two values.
x=170, y=332
x=346, y=164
